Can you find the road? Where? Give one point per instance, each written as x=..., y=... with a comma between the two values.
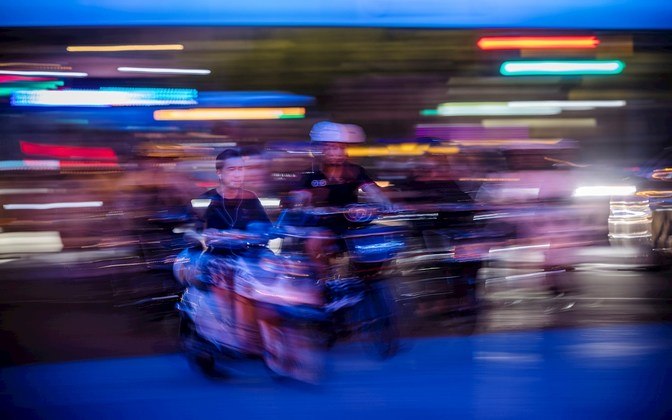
x=600, y=349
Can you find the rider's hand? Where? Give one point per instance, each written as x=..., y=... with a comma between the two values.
x=301, y=198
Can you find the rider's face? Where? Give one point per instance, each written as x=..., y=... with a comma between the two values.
x=334, y=153
x=231, y=175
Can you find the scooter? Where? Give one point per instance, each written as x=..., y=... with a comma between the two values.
x=359, y=296
x=244, y=302
x=241, y=304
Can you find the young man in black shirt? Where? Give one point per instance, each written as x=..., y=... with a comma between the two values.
x=227, y=221
x=230, y=206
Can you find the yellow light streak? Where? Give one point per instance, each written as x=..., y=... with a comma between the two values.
x=115, y=48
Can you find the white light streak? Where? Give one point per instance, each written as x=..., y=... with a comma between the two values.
x=200, y=203
x=571, y=105
x=163, y=70
x=8, y=191
x=270, y=202
x=604, y=190
x=44, y=73
x=33, y=242
x=50, y=206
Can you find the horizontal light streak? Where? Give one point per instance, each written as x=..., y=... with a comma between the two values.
x=108, y=97
x=190, y=93
x=604, y=190
x=489, y=179
x=584, y=105
x=44, y=73
x=519, y=248
x=23, y=79
x=249, y=99
x=561, y=67
x=55, y=66
x=403, y=149
x=655, y=193
x=163, y=70
x=443, y=150
x=30, y=242
x=540, y=122
x=270, y=202
x=67, y=152
x=115, y=48
x=29, y=164
x=8, y=89
x=214, y=114
x=51, y=206
x=457, y=109
x=12, y=191
x=537, y=42
x=507, y=142
x=53, y=165
x=200, y=203
x=663, y=174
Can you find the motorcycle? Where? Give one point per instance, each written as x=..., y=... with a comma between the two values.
x=240, y=303
x=244, y=302
x=358, y=289
x=441, y=268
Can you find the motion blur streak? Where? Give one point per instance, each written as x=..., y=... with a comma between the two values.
x=108, y=97
x=30, y=242
x=568, y=67
x=44, y=73
x=547, y=42
x=115, y=48
x=480, y=267
x=604, y=190
x=72, y=152
x=584, y=105
x=51, y=206
x=494, y=108
x=200, y=203
x=541, y=122
x=162, y=70
x=205, y=114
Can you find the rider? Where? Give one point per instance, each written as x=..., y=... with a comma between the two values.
x=232, y=213
x=334, y=183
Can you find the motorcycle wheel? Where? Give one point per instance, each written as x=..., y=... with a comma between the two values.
x=192, y=345
x=381, y=331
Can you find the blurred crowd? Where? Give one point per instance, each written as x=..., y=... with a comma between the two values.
x=520, y=206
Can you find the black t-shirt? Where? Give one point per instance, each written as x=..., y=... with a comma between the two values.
x=336, y=192
x=236, y=213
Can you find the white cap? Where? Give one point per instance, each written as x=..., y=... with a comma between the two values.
x=326, y=131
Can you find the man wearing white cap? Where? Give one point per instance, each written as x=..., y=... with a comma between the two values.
x=335, y=183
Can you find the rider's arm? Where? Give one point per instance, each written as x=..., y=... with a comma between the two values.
x=376, y=195
x=372, y=191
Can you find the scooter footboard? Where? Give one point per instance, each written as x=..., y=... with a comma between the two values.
x=374, y=244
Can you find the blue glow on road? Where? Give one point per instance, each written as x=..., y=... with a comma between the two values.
x=615, y=371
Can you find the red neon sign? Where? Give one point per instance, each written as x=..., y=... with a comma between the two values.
x=68, y=152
